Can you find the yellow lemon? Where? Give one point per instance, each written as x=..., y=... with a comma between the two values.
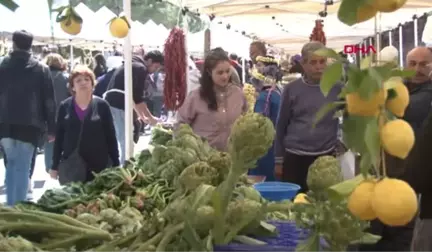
x=394, y=202
x=119, y=28
x=356, y=105
x=71, y=26
x=397, y=138
x=365, y=12
x=359, y=202
x=398, y=104
x=301, y=198
x=388, y=5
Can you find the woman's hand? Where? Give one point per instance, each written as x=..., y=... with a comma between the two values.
x=53, y=174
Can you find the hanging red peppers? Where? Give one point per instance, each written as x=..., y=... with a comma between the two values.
x=175, y=86
x=318, y=32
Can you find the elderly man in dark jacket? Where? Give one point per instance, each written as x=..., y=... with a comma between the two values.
x=27, y=109
x=420, y=90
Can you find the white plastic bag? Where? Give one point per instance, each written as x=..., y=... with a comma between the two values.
x=347, y=162
x=52, y=184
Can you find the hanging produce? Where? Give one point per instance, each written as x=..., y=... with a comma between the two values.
x=318, y=32
x=119, y=27
x=70, y=21
x=175, y=86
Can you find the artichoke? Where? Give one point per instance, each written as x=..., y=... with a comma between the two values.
x=251, y=137
x=16, y=244
x=323, y=173
x=196, y=174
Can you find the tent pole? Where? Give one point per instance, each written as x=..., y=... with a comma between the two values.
x=127, y=50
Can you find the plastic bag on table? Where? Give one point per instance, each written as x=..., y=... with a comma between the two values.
x=347, y=162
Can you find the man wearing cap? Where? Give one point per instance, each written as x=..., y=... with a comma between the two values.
x=27, y=109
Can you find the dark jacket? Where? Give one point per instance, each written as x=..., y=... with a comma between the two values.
x=27, y=101
x=60, y=80
x=418, y=168
x=102, y=83
x=98, y=142
x=139, y=75
x=416, y=114
x=420, y=105
x=418, y=171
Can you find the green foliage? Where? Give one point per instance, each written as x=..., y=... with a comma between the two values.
x=347, y=13
x=10, y=4
x=160, y=12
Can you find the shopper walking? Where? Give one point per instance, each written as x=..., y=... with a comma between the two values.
x=27, y=109
x=85, y=132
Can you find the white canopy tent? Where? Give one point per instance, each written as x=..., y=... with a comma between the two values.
x=298, y=19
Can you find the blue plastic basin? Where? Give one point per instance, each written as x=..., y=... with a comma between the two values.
x=277, y=191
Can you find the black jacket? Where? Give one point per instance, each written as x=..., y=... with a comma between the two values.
x=418, y=169
x=98, y=142
x=419, y=106
x=103, y=82
x=27, y=101
x=139, y=76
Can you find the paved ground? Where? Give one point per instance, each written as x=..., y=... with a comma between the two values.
x=41, y=180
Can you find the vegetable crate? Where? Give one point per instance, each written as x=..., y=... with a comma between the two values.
x=288, y=238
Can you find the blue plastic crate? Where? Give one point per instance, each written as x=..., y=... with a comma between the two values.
x=287, y=240
x=277, y=191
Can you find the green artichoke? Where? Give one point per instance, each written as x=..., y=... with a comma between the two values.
x=323, y=173
x=251, y=137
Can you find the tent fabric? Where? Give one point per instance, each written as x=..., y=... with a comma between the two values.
x=287, y=24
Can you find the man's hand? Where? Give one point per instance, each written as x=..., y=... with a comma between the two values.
x=51, y=138
x=278, y=171
x=53, y=174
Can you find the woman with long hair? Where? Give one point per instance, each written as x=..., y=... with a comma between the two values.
x=212, y=109
x=100, y=65
x=84, y=125
x=268, y=103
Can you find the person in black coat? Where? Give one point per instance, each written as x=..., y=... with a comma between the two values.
x=98, y=143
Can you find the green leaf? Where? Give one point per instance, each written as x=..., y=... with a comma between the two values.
x=331, y=76
x=75, y=16
x=9, y=4
x=367, y=238
x=345, y=188
x=402, y=73
x=368, y=87
x=366, y=62
x=391, y=94
x=327, y=52
x=347, y=12
x=372, y=139
x=355, y=77
x=365, y=164
x=126, y=20
x=324, y=110
x=354, y=128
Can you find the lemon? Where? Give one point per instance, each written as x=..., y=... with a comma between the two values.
x=394, y=202
x=300, y=198
x=397, y=138
x=365, y=12
x=71, y=26
x=388, y=5
x=398, y=104
x=119, y=28
x=359, y=202
x=356, y=105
